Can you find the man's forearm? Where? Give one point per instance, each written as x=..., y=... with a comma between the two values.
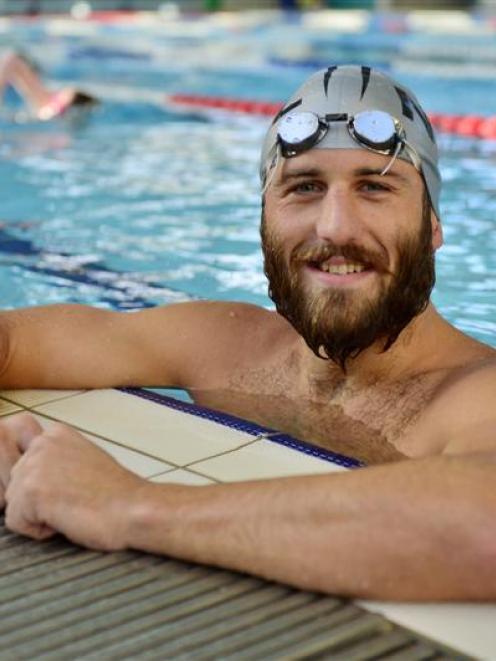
x=422, y=529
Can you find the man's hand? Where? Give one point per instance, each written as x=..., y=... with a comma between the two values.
x=12, y=431
x=64, y=483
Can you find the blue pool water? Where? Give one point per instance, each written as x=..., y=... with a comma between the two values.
x=139, y=206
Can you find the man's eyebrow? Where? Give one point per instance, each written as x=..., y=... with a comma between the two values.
x=366, y=172
x=300, y=172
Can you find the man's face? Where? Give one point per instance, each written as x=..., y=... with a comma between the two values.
x=349, y=254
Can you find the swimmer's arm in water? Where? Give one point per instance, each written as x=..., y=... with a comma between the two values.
x=77, y=346
x=15, y=71
x=421, y=529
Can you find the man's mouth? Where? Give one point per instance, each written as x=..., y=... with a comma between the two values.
x=340, y=268
x=343, y=267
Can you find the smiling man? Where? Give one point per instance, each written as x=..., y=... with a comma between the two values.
x=355, y=356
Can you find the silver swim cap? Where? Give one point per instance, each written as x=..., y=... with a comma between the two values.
x=346, y=91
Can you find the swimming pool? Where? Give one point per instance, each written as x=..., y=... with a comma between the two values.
x=140, y=206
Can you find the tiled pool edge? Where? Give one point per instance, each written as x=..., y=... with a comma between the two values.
x=239, y=424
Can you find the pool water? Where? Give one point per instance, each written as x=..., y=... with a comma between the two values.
x=136, y=205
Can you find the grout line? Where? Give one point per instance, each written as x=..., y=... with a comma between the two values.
x=13, y=411
x=189, y=470
x=104, y=438
x=222, y=454
x=4, y=400
x=208, y=477
x=48, y=401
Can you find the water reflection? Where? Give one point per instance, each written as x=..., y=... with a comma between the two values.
x=313, y=421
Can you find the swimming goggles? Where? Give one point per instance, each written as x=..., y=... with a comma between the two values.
x=375, y=130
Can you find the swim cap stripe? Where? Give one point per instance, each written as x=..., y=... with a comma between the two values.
x=425, y=119
x=365, y=80
x=327, y=78
x=286, y=109
x=406, y=103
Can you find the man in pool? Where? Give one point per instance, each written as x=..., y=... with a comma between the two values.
x=350, y=226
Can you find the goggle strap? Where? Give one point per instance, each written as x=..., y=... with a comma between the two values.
x=273, y=168
x=393, y=159
x=416, y=160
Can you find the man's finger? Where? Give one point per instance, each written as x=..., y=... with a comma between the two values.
x=9, y=455
x=17, y=522
x=22, y=427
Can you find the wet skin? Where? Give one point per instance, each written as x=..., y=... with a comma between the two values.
x=432, y=393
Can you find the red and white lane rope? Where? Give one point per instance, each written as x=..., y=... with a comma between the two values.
x=246, y=107
x=472, y=126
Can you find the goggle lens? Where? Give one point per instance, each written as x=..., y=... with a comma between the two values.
x=298, y=127
x=373, y=129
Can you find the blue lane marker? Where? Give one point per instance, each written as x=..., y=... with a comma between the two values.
x=128, y=291
x=233, y=422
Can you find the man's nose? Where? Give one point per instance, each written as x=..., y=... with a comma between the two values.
x=338, y=221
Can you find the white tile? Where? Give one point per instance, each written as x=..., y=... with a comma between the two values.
x=263, y=459
x=181, y=476
x=134, y=461
x=36, y=397
x=157, y=430
x=468, y=628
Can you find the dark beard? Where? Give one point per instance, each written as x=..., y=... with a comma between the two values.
x=325, y=321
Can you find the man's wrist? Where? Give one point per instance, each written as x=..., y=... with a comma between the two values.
x=152, y=516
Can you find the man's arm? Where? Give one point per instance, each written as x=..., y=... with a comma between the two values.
x=415, y=530
x=77, y=346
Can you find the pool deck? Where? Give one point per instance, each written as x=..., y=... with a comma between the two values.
x=165, y=444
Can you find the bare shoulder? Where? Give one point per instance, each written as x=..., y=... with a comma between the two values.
x=211, y=339
x=229, y=321
x=464, y=409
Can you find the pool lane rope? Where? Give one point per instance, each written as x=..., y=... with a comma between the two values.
x=470, y=126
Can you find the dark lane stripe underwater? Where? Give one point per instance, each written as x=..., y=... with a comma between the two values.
x=127, y=290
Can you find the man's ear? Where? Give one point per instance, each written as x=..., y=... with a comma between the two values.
x=437, y=231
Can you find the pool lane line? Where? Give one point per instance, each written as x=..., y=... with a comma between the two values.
x=96, y=274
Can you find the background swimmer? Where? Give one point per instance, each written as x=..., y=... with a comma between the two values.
x=44, y=104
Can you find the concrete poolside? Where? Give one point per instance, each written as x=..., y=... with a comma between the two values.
x=164, y=444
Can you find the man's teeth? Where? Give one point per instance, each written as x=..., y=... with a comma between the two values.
x=341, y=269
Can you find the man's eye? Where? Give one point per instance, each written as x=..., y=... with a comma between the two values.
x=306, y=187
x=373, y=187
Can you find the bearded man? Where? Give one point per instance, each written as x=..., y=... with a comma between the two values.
x=355, y=355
